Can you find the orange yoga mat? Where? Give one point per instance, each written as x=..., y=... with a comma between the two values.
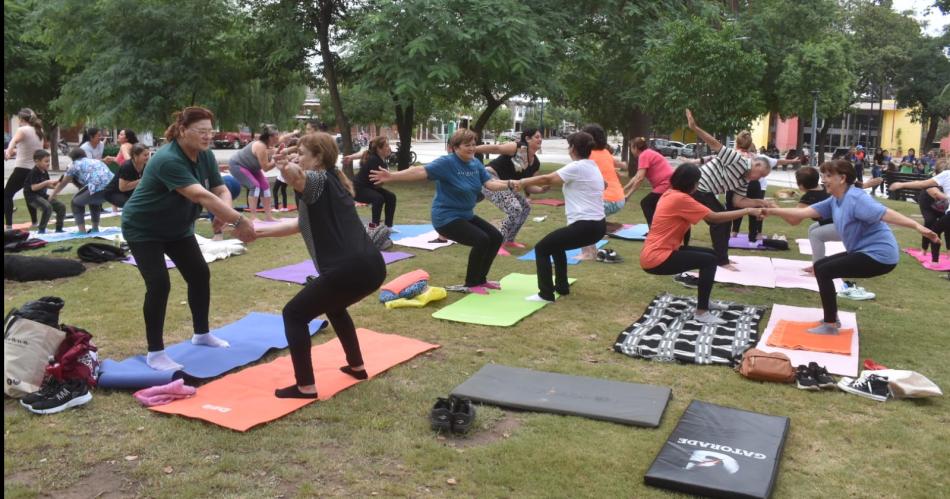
x=245, y=399
x=795, y=335
x=23, y=226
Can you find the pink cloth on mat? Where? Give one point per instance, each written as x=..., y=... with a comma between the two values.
x=160, y=395
x=943, y=264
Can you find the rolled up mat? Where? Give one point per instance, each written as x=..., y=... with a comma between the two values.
x=299, y=272
x=432, y=293
x=742, y=242
x=250, y=338
x=504, y=307
x=717, y=451
x=400, y=283
x=246, y=398
x=571, y=256
x=843, y=365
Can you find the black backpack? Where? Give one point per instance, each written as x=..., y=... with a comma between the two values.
x=100, y=253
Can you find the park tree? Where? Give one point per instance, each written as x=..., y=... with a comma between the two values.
x=923, y=82
x=32, y=77
x=500, y=121
x=721, y=87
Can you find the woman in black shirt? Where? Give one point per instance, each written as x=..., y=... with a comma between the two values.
x=350, y=265
x=366, y=192
x=516, y=160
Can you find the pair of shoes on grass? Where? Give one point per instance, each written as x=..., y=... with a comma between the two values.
x=452, y=414
x=854, y=292
x=813, y=377
x=608, y=256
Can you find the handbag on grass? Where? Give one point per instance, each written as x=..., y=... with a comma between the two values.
x=27, y=346
x=766, y=366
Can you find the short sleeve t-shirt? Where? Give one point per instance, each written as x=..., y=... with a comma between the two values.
x=676, y=212
x=605, y=162
x=93, y=152
x=126, y=172
x=156, y=211
x=457, y=186
x=35, y=176
x=812, y=197
x=726, y=171
x=583, y=191
x=943, y=180
x=658, y=170
x=506, y=168
x=858, y=219
x=91, y=173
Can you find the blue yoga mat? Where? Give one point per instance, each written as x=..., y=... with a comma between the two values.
x=410, y=231
x=634, y=233
x=55, y=237
x=570, y=254
x=250, y=338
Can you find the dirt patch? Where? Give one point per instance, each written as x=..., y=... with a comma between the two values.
x=500, y=430
x=103, y=481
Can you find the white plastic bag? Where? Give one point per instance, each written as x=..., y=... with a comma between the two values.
x=27, y=346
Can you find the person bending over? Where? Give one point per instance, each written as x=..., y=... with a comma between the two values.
x=584, y=207
x=652, y=166
x=727, y=171
x=93, y=177
x=459, y=179
x=248, y=166
x=871, y=247
x=937, y=192
x=159, y=219
x=664, y=252
x=350, y=265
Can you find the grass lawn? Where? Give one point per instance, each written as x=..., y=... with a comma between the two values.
x=374, y=439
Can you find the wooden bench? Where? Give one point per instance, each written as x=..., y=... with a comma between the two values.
x=905, y=194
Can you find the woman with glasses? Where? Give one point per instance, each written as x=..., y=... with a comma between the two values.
x=159, y=219
x=248, y=167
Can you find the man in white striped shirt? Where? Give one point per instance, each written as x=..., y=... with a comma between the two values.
x=728, y=170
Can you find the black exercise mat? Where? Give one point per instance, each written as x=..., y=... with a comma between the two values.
x=667, y=332
x=719, y=451
x=615, y=401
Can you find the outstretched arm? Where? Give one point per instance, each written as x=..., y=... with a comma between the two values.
x=894, y=218
x=919, y=184
x=508, y=148
x=793, y=216
x=727, y=216
x=542, y=180
x=744, y=202
x=634, y=183
x=414, y=174
x=710, y=141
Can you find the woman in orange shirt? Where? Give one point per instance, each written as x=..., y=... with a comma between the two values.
x=663, y=252
x=614, y=198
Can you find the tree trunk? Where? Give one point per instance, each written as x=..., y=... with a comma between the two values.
x=822, y=138
x=638, y=125
x=931, y=133
x=491, y=104
x=404, y=119
x=54, y=147
x=324, y=19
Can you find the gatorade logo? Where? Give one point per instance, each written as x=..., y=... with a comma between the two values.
x=708, y=459
x=222, y=410
x=721, y=448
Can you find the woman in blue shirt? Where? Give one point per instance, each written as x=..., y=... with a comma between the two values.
x=459, y=179
x=871, y=247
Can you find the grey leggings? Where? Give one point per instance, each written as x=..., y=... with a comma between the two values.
x=818, y=235
x=516, y=208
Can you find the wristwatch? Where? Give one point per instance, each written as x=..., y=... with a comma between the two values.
x=235, y=224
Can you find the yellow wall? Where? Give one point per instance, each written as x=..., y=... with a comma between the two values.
x=760, y=131
x=910, y=132
x=684, y=135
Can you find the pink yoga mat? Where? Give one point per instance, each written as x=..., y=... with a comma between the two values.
x=299, y=272
x=843, y=365
x=548, y=202
x=942, y=265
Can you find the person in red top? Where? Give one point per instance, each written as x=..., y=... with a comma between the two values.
x=652, y=166
x=663, y=253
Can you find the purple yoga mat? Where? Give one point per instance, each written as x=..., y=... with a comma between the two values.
x=299, y=272
x=742, y=242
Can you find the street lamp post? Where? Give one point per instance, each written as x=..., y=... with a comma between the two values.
x=814, y=128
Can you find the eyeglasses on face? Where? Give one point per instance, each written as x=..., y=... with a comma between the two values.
x=204, y=132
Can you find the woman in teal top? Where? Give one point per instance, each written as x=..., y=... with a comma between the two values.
x=159, y=219
x=459, y=179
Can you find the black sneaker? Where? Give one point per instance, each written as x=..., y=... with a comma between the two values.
x=49, y=386
x=687, y=280
x=871, y=386
x=441, y=415
x=804, y=379
x=821, y=375
x=463, y=415
x=71, y=393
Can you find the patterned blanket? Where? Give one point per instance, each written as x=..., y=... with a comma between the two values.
x=667, y=332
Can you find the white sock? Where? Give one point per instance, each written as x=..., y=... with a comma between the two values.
x=210, y=340
x=537, y=298
x=160, y=361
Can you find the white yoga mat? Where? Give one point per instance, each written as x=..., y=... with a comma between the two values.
x=422, y=241
x=831, y=247
x=843, y=365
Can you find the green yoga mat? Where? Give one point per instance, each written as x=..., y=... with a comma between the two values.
x=503, y=307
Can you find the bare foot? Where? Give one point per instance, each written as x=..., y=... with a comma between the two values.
x=809, y=270
x=729, y=266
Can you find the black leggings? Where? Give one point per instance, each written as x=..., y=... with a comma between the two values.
x=14, y=184
x=330, y=293
x=718, y=232
x=378, y=198
x=648, y=205
x=484, y=239
x=553, y=247
x=843, y=265
x=279, y=188
x=150, y=258
x=755, y=225
x=46, y=209
x=939, y=224
x=689, y=258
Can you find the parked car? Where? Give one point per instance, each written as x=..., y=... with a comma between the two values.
x=234, y=140
x=672, y=148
